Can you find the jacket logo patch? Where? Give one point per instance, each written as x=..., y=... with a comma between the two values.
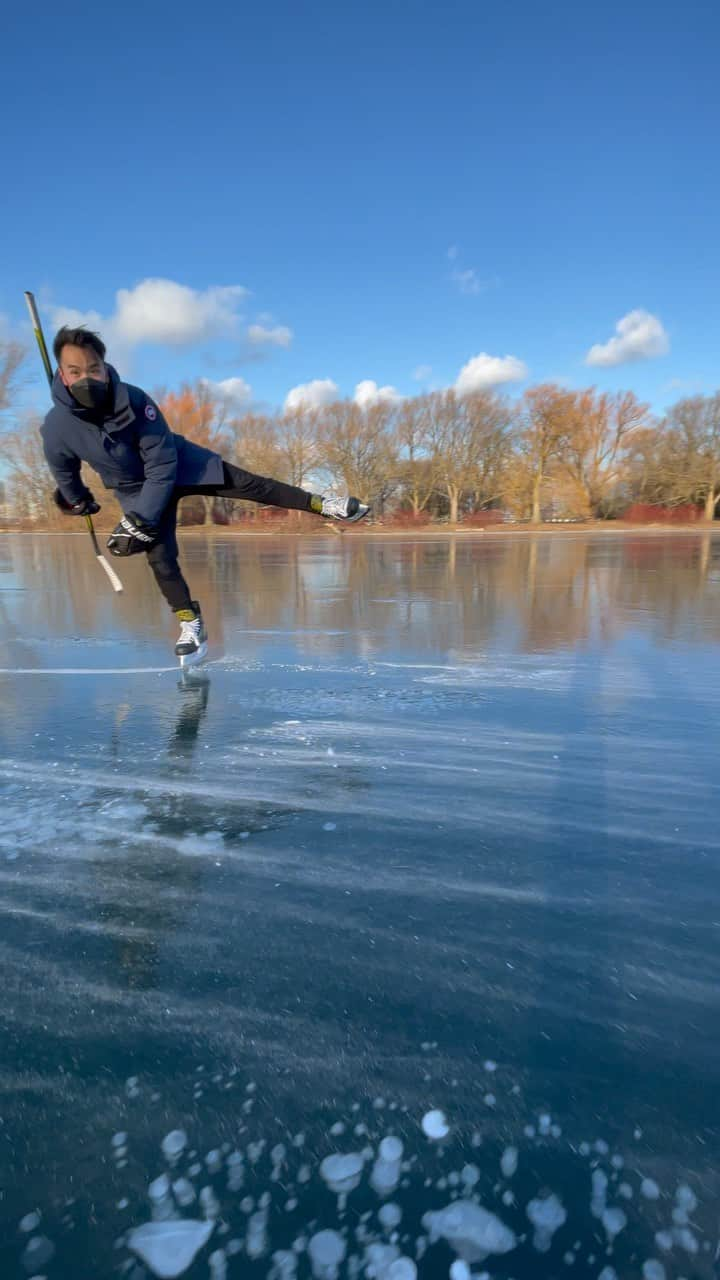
x=150, y=412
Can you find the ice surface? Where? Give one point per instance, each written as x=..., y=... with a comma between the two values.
x=547, y=1215
x=342, y=1172
x=217, y=1263
x=653, y=1270
x=379, y=1258
x=385, y=1176
x=435, y=1125
x=686, y=1239
x=326, y=1250
x=160, y=1197
x=473, y=1232
x=173, y=1144
x=390, y=1215
x=256, y=1241
x=168, y=1248
x=686, y=1198
x=459, y=1270
x=614, y=1220
x=401, y=1268
x=649, y=1189
x=599, y=1192
x=184, y=1192
x=209, y=1203
x=418, y=908
x=37, y=1252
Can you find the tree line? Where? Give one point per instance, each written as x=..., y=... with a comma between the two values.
x=552, y=453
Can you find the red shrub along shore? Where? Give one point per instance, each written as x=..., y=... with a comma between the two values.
x=482, y=519
x=407, y=520
x=646, y=513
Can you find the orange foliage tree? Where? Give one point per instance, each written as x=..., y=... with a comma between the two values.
x=195, y=412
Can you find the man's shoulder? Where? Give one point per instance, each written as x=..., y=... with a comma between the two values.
x=141, y=403
x=54, y=421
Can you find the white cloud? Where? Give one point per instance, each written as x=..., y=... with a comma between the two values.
x=368, y=392
x=422, y=373
x=485, y=371
x=639, y=336
x=236, y=392
x=69, y=316
x=162, y=311
x=452, y=252
x=168, y=312
x=262, y=336
x=468, y=281
x=311, y=395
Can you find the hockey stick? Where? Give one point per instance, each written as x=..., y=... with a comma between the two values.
x=37, y=329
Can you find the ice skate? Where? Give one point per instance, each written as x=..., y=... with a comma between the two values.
x=346, y=509
x=191, y=647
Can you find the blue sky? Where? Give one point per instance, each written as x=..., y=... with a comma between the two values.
x=399, y=188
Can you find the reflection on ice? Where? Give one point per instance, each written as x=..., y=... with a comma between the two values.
x=269, y=938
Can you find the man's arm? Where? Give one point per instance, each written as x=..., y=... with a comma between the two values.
x=159, y=455
x=65, y=468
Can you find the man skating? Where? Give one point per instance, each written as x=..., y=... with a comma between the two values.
x=120, y=432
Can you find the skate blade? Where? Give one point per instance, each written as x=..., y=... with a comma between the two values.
x=194, y=659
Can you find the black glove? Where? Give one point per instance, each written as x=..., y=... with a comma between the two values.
x=131, y=535
x=87, y=506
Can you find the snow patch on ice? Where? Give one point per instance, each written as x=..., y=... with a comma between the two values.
x=435, y=1125
x=473, y=1232
x=168, y=1248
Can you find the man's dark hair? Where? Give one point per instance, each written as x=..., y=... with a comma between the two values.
x=78, y=337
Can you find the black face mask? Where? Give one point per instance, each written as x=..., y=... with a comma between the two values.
x=90, y=393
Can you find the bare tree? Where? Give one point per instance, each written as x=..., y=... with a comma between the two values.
x=12, y=357
x=489, y=420
x=414, y=454
x=465, y=438
x=692, y=451
x=29, y=484
x=356, y=446
x=296, y=437
x=597, y=435
x=543, y=420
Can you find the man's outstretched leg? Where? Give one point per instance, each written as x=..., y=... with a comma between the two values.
x=275, y=493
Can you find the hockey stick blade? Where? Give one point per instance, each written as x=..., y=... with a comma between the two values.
x=114, y=580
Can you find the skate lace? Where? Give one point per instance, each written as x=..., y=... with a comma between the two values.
x=334, y=506
x=190, y=631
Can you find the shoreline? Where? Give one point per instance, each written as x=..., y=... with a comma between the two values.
x=614, y=528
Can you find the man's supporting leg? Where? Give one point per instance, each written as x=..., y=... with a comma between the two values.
x=163, y=560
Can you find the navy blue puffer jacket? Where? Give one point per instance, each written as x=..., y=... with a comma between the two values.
x=129, y=445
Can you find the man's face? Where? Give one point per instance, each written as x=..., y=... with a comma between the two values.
x=81, y=362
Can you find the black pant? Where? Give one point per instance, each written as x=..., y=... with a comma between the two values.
x=163, y=556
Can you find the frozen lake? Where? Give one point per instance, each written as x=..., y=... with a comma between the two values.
x=437, y=830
